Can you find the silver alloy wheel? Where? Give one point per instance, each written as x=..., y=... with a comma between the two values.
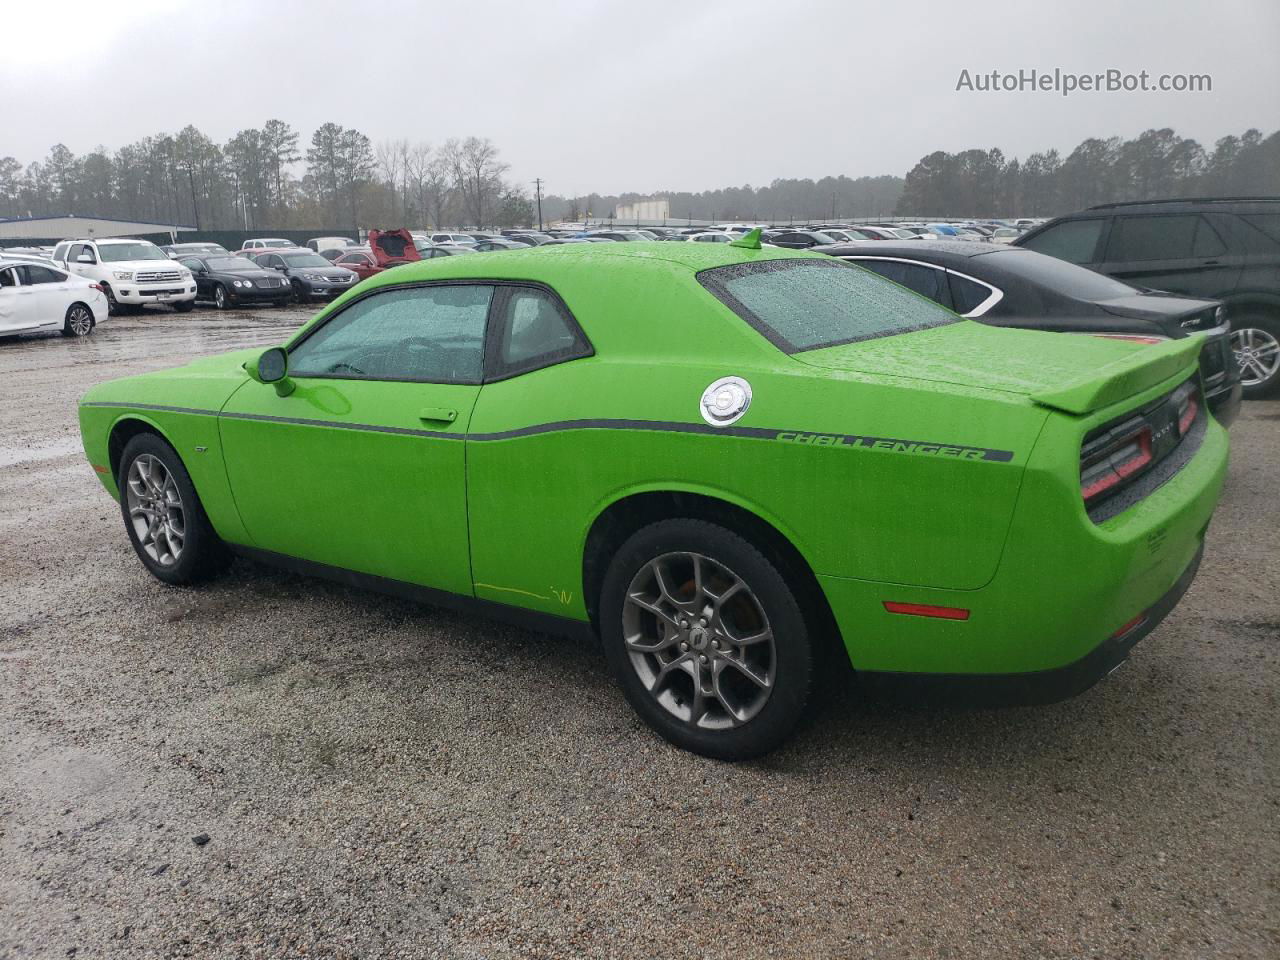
x=699, y=640
x=155, y=509
x=220, y=297
x=1257, y=352
x=79, y=320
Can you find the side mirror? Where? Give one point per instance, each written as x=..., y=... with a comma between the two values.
x=272, y=366
x=85, y=258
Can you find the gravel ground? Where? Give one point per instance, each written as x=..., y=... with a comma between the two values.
x=376, y=779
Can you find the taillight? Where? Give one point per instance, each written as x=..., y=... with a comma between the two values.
x=1187, y=405
x=1105, y=464
x=98, y=287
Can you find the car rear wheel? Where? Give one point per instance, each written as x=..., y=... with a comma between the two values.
x=707, y=640
x=78, y=321
x=1256, y=343
x=220, y=296
x=163, y=517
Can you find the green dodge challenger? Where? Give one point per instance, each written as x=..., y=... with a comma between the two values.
x=737, y=467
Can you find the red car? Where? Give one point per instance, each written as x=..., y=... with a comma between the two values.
x=386, y=248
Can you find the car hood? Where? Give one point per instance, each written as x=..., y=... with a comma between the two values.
x=165, y=264
x=1175, y=315
x=1064, y=371
x=391, y=247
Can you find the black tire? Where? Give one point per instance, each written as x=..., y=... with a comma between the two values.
x=184, y=306
x=794, y=656
x=202, y=554
x=113, y=306
x=299, y=293
x=220, y=296
x=79, y=321
x=1265, y=330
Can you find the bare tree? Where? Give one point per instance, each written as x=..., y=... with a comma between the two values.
x=390, y=157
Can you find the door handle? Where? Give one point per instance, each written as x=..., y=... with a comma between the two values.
x=438, y=414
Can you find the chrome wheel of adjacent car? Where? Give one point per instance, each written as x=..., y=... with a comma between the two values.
x=1258, y=353
x=699, y=641
x=155, y=510
x=78, y=322
x=220, y=297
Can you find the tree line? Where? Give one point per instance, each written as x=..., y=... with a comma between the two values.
x=264, y=178
x=251, y=181
x=1155, y=164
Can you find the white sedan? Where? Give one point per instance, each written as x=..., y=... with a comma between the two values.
x=38, y=297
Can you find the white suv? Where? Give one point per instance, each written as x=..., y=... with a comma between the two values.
x=130, y=272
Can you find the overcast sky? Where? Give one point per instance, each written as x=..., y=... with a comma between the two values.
x=637, y=95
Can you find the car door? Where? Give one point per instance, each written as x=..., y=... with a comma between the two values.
x=17, y=302
x=74, y=253
x=363, y=466
x=49, y=294
x=532, y=344
x=204, y=287
x=1177, y=252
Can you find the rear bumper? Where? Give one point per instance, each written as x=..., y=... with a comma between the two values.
x=1221, y=375
x=1040, y=686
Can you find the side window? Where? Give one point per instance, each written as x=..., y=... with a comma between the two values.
x=1074, y=241
x=1207, y=242
x=533, y=330
x=925, y=281
x=9, y=277
x=431, y=334
x=33, y=274
x=60, y=251
x=1152, y=238
x=967, y=295
x=192, y=264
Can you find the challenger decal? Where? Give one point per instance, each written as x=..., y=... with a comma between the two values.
x=888, y=445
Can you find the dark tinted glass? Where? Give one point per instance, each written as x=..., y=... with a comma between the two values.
x=926, y=281
x=966, y=294
x=1062, y=278
x=1074, y=241
x=1152, y=238
x=535, y=332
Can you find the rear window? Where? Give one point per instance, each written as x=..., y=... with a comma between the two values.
x=807, y=304
x=1066, y=279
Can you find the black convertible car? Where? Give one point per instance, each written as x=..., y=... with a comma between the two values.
x=229, y=281
x=1012, y=287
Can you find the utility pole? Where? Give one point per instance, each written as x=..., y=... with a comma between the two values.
x=194, y=208
x=537, y=183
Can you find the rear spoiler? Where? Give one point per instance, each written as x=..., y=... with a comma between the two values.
x=1122, y=378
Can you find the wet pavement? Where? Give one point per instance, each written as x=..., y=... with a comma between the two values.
x=271, y=766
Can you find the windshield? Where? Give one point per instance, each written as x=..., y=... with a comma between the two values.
x=277, y=243
x=1067, y=279
x=234, y=264
x=119, y=252
x=305, y=260
x=809, y=304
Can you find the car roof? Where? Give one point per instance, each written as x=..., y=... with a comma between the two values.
x=1177, y=203
x=546, y=262
x=913, y=249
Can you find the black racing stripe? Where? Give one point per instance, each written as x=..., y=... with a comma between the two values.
x=803, y=437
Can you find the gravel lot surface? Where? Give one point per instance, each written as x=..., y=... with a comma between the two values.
x=272, y=766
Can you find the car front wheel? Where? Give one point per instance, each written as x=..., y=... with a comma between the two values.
x=707, y=639
x=163, y=517
x=299, y=293
x=220, y=297
x=1256, y=343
